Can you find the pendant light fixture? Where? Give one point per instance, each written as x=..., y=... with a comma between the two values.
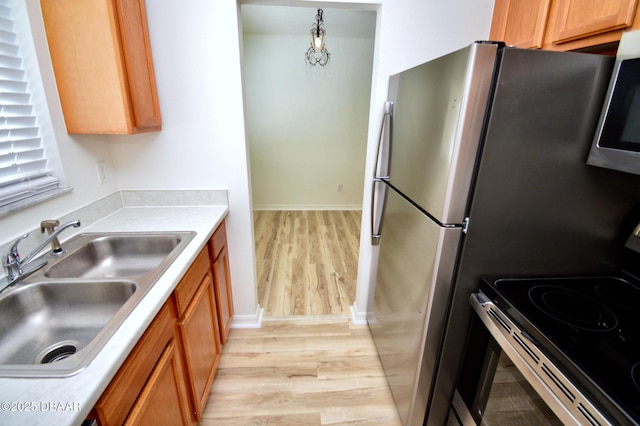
x=317, y=53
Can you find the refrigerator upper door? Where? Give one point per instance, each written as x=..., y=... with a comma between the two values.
x=436, y=125
x=415, y=266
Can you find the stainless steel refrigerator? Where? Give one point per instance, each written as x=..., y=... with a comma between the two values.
x=482, y=170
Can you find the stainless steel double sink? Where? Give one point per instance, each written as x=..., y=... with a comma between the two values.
x=54, y=322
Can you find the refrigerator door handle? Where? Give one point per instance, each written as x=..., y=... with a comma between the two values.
x=375, y=219
x=376, y=210
x=388, y=114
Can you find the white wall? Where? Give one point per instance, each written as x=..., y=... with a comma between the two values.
x=196, y=52
x=307, y=125
x=197, y=55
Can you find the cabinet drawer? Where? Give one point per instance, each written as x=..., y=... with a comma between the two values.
x=218, y=241
x=115, y=403
x=189, y=284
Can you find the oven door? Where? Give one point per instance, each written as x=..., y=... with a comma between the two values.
x=504, y=377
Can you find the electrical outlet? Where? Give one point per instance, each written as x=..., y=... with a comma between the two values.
x=339, y=187
x=102, y=172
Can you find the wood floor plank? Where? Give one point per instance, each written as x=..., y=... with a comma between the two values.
x=307, y=262
x=321, y=371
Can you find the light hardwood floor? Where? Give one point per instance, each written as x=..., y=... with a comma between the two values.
x=307, y=261
x=317, y=370
x=300, y=372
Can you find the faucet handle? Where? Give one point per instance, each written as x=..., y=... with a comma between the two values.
x=49, y=225
x=13, y=251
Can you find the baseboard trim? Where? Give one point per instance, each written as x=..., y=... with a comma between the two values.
x=357, y=317
x=312, y=207
x=248, y=321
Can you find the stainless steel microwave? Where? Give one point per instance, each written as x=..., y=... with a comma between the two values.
x=617, y=140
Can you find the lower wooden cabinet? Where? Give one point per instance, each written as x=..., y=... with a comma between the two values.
x=163, y=400
x=201, y=344
x=167, y=377
x=140, y=382
x=222, y=280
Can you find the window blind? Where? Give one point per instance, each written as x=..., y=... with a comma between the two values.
x=23, y=161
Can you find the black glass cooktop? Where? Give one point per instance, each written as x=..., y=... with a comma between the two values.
x=589, y=325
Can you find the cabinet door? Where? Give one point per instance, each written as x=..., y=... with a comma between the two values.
x=224, y=298
x=520, y=23
x=164, y=398
x=122, y=393
x=581, y=18
x=132, y=16
x=101, y=59
x=201, y=344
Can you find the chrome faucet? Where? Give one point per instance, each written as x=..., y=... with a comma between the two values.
x=18, y=268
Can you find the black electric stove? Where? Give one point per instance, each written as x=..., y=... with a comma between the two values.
x=589, y=325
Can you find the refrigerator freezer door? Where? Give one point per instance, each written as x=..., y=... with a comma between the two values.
x=415, y=266
x=436, y=125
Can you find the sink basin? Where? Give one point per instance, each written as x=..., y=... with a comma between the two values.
x=113, y=256
x=54, y=322
x=42, y=324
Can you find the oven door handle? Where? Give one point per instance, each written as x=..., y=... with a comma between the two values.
x=480, y=298
x=549, y=382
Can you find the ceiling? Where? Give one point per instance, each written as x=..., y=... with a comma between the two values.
x=287, y=20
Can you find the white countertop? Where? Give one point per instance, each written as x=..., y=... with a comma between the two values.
x=67, y=401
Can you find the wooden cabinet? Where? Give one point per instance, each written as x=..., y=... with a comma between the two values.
x=151, y=376
x=199, y=331
x=563, y=24
x=102, y=62
x=164, y=397
x=575, y=19
x=520, y=23
x=222, y=279
x=167, y=377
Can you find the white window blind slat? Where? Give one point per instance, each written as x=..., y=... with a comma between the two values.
x=10, y=135
x=7, y=98
x=16, y=110
x=17, y=122
x=10, y=73
x=11, y=86
x=9, y=49
x=23, y=161
x=10, y=62
x=17, y=157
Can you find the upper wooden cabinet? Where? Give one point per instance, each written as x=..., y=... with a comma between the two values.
x=562, y=24
x=102, y=62
x=520, y=23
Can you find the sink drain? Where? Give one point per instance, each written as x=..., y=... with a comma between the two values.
x=58, y=352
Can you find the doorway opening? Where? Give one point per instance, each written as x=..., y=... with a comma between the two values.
x=307, y=129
